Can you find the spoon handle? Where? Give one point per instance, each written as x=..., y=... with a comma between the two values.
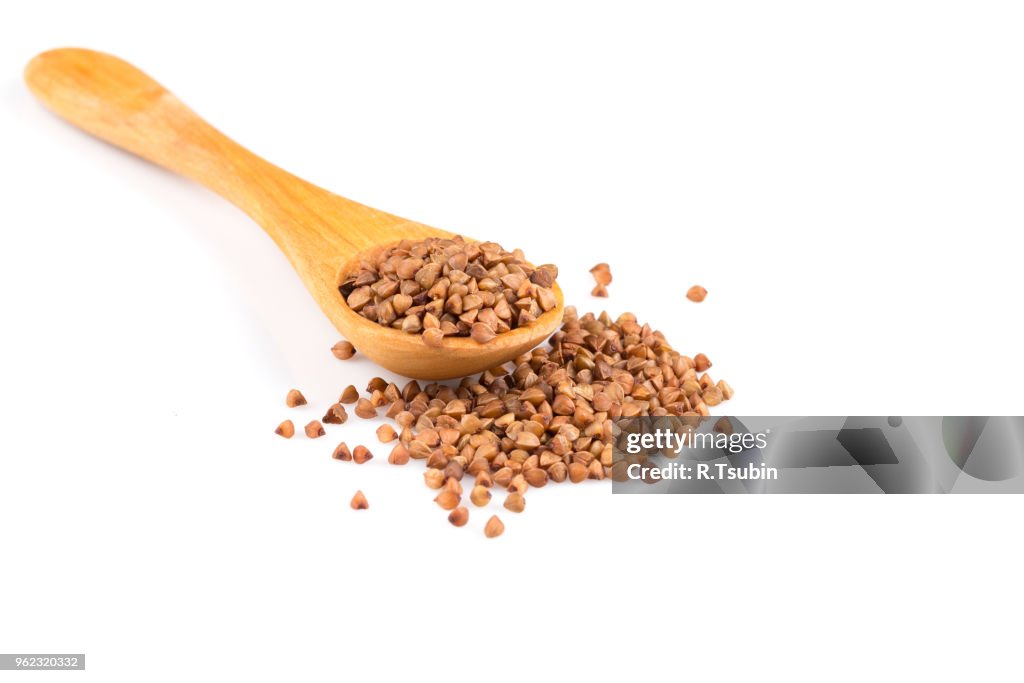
x=115, y=101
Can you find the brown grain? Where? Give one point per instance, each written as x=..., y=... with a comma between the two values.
x=481, y=333
x=343, y=350
x=447, y=500
x=359, y=502
x=696, y=293
x=433, y=337
x=361, y=455
x=386, y=434
x=342, y=452
x=454, y=485
x=335, y=415
x=514, y=502
x=294, y=399
x=399, y=455
x=727, y=392
x=480, y=496
x=285, y=429
x=602, y=273
x=494, y=527
x=459, y=516
x=365, y=409
x=434, y=478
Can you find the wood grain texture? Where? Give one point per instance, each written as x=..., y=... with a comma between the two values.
x=321, y=233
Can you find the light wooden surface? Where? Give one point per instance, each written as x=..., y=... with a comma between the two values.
x=320, y=232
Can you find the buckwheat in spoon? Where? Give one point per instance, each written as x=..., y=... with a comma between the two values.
x=417, y=300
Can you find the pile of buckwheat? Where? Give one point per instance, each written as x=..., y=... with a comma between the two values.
x=544, y=417
x=450, y=288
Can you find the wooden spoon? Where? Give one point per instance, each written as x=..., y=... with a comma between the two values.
x=322, y=234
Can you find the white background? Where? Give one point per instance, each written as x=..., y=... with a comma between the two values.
x=844, y=178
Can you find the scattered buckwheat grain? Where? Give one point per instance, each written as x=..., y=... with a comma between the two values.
x=494, y=527
x=335, y=415
x=365, y=409
x=399, y=455
x=361, y=455
x=696, y=293
x=386, y=434
x=434, y=478
x=459, y=516
x=447, y=500
x=343, y=350
x=515, y=502
x=342, y=452
x=602, y=273
x=480, y=496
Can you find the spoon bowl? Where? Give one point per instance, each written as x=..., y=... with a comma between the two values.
x=408, y=355
x=322, y=234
